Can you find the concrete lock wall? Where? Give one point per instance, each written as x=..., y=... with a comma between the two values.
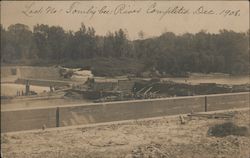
x=49, y=73
x=227, y=101
x=28, y=119
x=38, y=82
x=128, y=110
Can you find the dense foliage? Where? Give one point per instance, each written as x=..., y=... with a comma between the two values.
x=225, y=52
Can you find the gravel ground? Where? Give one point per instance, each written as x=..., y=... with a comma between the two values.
x=148, y=138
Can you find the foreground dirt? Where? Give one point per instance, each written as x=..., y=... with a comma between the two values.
x=148, y=138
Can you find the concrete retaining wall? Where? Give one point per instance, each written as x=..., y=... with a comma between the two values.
x=50, y=73
x=28, y=119
x=229, y=101
x=128, y=110
x=41, y=82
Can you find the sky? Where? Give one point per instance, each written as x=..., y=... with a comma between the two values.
x=229, y=15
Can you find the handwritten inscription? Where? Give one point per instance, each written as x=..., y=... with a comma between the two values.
x=180, y=10
x=29, y=10
x=126, y=9
x=104, y=10
x=228, y=12
x=204, y=11
x=76, y=8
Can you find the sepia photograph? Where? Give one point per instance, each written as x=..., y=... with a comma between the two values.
x=125, y=79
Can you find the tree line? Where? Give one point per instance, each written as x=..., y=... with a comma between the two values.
x=224, y=52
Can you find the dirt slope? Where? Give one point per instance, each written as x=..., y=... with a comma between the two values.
x=148, y=138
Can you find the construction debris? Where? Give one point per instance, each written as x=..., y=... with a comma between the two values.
x=228, y=128
x=212, y=116
x=182, y=119
x=43, y=127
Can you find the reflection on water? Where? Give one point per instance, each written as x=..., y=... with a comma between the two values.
x=231, y=80
x=10, y=89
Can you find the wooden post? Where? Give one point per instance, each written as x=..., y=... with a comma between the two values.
x=27, y=87
x=205, y=103
x=57, y=117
